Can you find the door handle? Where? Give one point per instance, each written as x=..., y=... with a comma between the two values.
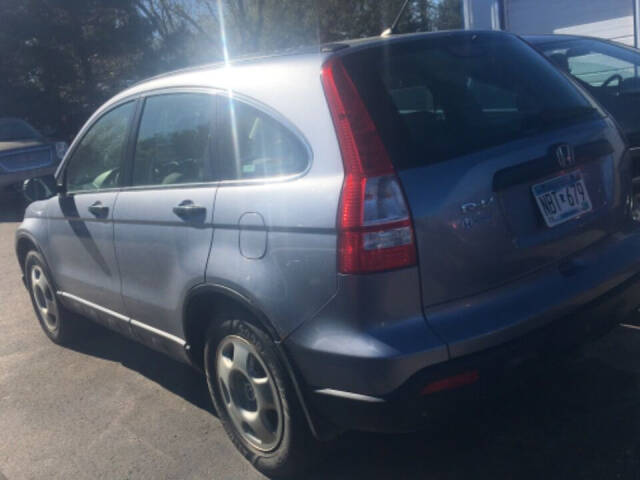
x=189, y=209
x=98, y=209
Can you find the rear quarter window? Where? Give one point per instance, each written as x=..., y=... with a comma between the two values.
x=437, y=98
x=254, y=145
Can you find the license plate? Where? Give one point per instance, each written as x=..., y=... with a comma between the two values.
x=562, y=198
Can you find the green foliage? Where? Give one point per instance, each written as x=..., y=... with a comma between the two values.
x=60, y=59
x=450, y=15
x=63, y=58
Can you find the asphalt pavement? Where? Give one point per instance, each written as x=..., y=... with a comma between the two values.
x=109, y=408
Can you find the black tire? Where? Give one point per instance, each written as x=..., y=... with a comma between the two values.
x=60, y=331
x=296, y=446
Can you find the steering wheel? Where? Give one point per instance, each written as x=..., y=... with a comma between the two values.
x=107, y=179
x=615, y=76
x=113, y=179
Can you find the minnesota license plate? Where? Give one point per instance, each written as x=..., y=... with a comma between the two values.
x=562, y=198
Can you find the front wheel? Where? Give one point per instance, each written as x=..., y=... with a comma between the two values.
x=58, y=323
x=255, y=399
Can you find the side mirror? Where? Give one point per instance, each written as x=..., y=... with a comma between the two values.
x=59, y=185
x=39, y=188
x=630, y=86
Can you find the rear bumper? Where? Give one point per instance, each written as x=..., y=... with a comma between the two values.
x=7, y=179
x=370, y=377
x=406, y=409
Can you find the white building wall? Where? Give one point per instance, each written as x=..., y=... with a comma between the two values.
x=611, y=19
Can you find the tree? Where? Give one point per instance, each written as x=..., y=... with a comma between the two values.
x=62, y=58
x=260, y=26
x=449, y=15
x=67, y=57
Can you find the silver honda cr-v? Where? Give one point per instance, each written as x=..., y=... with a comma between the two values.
x=341, y=238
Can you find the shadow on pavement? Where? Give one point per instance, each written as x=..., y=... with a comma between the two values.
x=579, y=419
x=176, y=377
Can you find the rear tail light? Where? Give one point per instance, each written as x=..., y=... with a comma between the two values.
x=375, y=231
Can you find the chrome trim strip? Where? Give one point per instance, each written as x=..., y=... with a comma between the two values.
x=159, y=332
x=350, y=395
x=124, y=318
x=632, y=327
x=95, y=306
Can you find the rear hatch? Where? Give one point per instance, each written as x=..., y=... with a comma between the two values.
x=505, y=165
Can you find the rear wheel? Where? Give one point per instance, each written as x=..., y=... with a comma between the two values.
x=255, y=399
x=58, y=324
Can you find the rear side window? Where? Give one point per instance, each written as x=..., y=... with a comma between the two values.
x=596, y=68
x=594, y=62
x=437, y=98
x=174, y=139
x=254, y=145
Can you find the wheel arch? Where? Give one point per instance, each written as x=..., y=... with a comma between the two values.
x=205, y=304
x=24, y=243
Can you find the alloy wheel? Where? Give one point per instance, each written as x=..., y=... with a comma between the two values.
x=45, y=298
x=249, y=393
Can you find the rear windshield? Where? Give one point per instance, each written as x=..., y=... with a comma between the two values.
x=438, y=98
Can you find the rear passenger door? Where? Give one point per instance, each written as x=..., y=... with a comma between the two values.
x=163, y=216
x=268, y=246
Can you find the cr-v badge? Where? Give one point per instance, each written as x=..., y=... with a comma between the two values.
x=475, y=212
x=476, y=206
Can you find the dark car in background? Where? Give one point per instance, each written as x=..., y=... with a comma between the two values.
x=608, y=71
x=25, y=153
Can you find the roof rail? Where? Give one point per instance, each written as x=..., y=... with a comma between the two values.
x=240, y=59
